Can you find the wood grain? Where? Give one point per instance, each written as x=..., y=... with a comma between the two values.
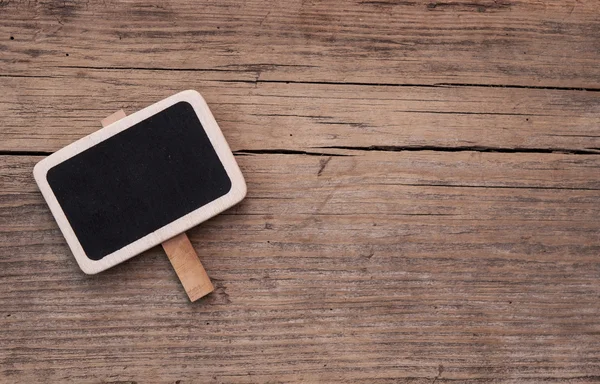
x=423, y=192
x=503, y=42
x=374, y=266
x=47, y=114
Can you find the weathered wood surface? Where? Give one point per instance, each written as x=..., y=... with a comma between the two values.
x=532, y=42
x=423, y=192
x=375, y=266
x=48, y=113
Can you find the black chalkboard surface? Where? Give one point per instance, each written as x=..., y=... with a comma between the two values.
x=140, y=181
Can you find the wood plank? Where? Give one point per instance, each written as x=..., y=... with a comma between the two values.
x=45, y=114
x=528, y=43
x=375, y=267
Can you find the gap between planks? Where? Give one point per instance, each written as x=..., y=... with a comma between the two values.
x=481, y=149
x=258, y=80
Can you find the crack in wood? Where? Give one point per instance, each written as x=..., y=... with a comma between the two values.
x=387, y=3
x=25, y=153
x=480, y=7
x=395, y=148
x=379, y=148
x=148, y=69
x=263, y=66
x=493, y=186
x=283, y=152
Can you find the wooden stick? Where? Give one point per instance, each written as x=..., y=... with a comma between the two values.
x=188, y=267
x=113, y=118
x=180, y=251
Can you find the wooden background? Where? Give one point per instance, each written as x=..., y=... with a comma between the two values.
x=423, y=200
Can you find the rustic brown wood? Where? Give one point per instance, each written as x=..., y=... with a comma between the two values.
x=423, y=192
x=179, y=250
x=187, y=265
x=45, y=115
x=502, y=42
x=376, y=266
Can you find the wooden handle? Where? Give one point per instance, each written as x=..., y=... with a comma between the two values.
x=187, y=265
x=112, y=118
x=180, y=251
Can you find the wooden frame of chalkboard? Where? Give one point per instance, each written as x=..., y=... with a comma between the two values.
x=235, y=194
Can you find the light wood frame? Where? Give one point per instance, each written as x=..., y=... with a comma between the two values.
x=235, y=195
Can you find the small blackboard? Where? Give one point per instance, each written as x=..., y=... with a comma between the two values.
x=140, y=181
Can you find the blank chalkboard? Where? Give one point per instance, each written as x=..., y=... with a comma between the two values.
x=137, y=182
